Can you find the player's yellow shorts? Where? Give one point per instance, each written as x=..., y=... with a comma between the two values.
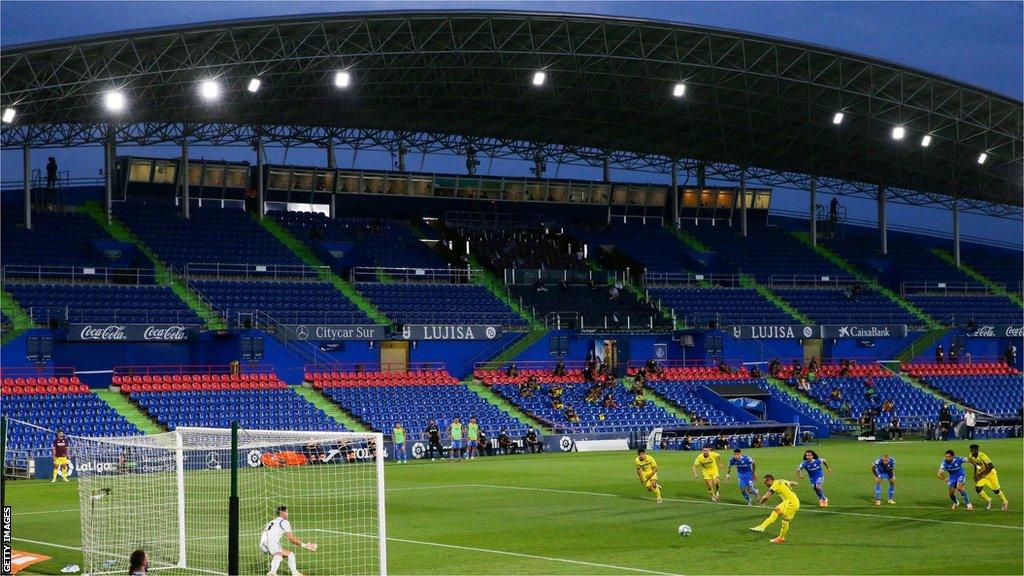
x=990, y=480
x=61, y=462
x=710, y=474
x=650, y=481
x=787, y=509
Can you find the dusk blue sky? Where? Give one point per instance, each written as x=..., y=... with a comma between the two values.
x=981, y=43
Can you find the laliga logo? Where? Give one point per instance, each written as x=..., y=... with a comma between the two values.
x=253, y=458
x=565, y=443
x=490, y=332
x=809, y=331
x=168, y=333
x=302, y=332
x=418, y=450
x=112, y=332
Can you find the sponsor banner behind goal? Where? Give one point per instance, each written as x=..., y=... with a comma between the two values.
x=864, y=331
x=334, y=332
x=450, y=332
x=831, y=331
x=132, y=332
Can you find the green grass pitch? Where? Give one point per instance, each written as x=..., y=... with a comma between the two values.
x=586, y=513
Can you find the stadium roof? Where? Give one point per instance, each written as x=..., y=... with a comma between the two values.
x=452, y=79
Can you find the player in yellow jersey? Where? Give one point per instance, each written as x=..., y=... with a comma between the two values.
x=985, y=477
x=647, y=470
x=708, y=462
x=785, y=510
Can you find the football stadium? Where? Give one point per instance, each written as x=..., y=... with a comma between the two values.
x=482, y=291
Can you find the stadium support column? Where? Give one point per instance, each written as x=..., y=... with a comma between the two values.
x=330, y=155
x=183, y=175
x=674, y=204
x=260, y=185
x=743, y=202
x=883, y=225
x=814, y=211
x=26, y=158
x=956, y=231
x=109, y=155
x=606, y=169
x=702, y=177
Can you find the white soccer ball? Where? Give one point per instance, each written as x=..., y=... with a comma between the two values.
x=685, y=530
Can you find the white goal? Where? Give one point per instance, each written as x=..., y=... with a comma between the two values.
x=168, y=494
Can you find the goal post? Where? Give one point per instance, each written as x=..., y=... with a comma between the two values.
x=198, y=499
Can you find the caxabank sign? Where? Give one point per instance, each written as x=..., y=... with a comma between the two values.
x=996, y=331
x=131, y=332
x=830, y=331
x=450, y=332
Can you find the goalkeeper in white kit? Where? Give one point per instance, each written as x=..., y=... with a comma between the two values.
x=270, y=542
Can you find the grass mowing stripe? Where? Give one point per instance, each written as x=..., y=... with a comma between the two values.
x=504, y=553
x=693, y=501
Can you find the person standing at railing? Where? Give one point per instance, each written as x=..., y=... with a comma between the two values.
x=51, y=172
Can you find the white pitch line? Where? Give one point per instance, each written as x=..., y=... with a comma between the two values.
x=505, y=553
x=19, y=513
x=690, y=501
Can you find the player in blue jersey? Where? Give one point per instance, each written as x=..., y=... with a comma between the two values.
x=952, y=471
x=814, y=465
x=746, y=474
x=884, y=469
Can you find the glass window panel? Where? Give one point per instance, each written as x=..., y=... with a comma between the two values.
x=302, y=181
x=690, y=198
x=140, y=171
x=238, y=177
x=277, y=180
x=514, y=190
x=725, y=199
x=620, y=194
x=164, y=172
x=558, y=192
x=536, y=191
x=600, y=194
x=707, y=198
x=195, y=173
x=214, y=177
x=656, y=196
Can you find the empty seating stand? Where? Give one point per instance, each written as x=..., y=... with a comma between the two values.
x=840, y=306
x=79, y=303
x=53, y=403
x=379, y=242
x=382, y=399
x=209, y=235
x=992, y=388
x=56, y=239
x=699, y=307
x=286, y=302
x=962, y=309
x=257, y=401
x=440, y=304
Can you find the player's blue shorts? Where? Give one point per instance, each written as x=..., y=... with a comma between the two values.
x=745, y=481
x=887, y=476
x=816, y=480
x=952, y=481
x=457, y=444
x=471, y=443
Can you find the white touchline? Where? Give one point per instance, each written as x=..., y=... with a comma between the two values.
x=19, y=513
x=503, y=553
x=689, y=501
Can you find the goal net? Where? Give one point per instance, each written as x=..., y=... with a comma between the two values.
x=168, y=495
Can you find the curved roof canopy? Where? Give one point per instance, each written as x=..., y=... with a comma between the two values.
x=451, y=79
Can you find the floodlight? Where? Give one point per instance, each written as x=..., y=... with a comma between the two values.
x=254, y=85
x=342, y=79
x=982, y=157
x=926, y=140
x=898, y=132
x=838, y=118
x=678, y=90
x=114, y=101
x=9, y=114
x=209, y=90
x=539, y=77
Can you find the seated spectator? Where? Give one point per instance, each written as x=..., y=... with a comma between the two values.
x=846, y=410
x=787, y=440
x=485, y=444
x=804, y=385
x=532, y=442
x=556, y=391
x=721, y=443
x=539, y=286
x=638, y=400
x=560, y=369
x=687, y=443
x=757, y=442
x=652, y=367
x=610, y=402
x=756, y=373
x=888, y=406
x=512, y=371
x=557, y=405
x=812, y=366
x=593, y=395
x=571, y=415
x=613, y=293
x=774, y=367
x=837, y=394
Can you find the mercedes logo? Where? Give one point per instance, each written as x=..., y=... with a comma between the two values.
x=302, y=332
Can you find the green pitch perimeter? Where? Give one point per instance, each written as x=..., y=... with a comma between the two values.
x=587, y=514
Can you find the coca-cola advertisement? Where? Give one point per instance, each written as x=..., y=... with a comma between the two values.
x=131, y=332
x=996, y=331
